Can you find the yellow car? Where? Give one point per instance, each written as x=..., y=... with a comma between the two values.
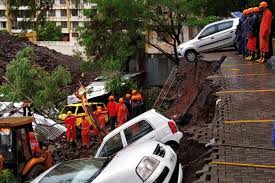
x=78, y=111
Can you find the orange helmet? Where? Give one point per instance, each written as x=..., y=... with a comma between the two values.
x=31, y=135
x=111, y=97
x=121, y=100
x=128, y=95
x=263, y=5
x=256, y=9
x=249, y=10
x=69, y=113
x=245, y=11
x=99, y=111
x=134, y=92
x=134, y=97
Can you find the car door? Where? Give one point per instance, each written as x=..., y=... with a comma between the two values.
x=225, y=35
x=206, y=38
x=139, y=132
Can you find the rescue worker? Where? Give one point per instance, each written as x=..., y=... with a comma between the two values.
x=253, y=32
x=36, y=151
x=122, y=112
x=97, y=108
x=112, y=110
x=135, y=107
x=128, y=105
x=239, y=32
x=265, y=31
x=70, y=122
x=101, y=118
x=85, y=132
x=245, y=27
x=135, y=93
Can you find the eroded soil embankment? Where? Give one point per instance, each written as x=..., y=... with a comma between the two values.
x=194, y=106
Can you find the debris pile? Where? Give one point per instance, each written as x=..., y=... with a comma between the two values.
x=44, y=57
x=63, y=151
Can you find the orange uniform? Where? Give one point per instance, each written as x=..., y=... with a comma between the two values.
x=85, y=131
x=122, y=113
x=102, y=120
x=36, y=151
x=70, y=122
x=265, y=30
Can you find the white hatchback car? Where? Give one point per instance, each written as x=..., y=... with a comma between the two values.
x=146, y=162
x=216, y=35
x=149, y=125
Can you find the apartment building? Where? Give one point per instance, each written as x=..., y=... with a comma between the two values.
x=64, y=13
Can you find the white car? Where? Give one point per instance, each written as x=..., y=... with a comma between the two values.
x=216, y=35
x=149, y=125
x=147, y=162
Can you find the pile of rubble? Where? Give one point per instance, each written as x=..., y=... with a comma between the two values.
x=44, y=57
x=63, y=151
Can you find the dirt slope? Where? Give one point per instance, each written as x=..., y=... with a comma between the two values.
x=46, y=58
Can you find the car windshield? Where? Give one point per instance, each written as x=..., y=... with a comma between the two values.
x=75, y=171
x=69, y=108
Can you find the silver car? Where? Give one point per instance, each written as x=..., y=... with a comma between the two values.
x=214, y=36
x=146, y=162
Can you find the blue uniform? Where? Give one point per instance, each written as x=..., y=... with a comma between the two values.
x=245, y=28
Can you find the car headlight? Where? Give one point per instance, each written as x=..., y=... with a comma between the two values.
x=146, y=167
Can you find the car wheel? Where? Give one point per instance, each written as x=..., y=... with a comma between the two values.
x=191, y=55
x=34, y=172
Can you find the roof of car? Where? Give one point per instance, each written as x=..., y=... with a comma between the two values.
x=148, y=114
x=12, y=122
x=90, y=103
x=225, y=20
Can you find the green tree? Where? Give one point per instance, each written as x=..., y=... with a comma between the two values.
x=25, y=80
x=7, y=177
x=49, y=32
x=114, y=33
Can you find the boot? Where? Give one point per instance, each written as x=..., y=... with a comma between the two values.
x=263, y=60
x=248, y=57
x=252, y=57
x=260, y=57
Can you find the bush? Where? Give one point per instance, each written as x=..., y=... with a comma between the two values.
x=7, y=177
x=119, y=86
x=201, y=22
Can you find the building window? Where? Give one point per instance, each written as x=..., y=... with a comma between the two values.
x=74, y=12
x=62, y=1
x=2, y=2
x=2, y=13
x=3, y=25
x=75, y=24
x=74, y=34
x=64, y=24
x=63, y=13
x=52, y=13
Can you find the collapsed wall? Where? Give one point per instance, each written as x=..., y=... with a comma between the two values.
x=193, y=104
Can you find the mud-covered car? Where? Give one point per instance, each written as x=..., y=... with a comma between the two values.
x=146, y=162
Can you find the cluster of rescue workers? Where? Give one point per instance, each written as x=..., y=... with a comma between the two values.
x=254, y=34
x=119, y=113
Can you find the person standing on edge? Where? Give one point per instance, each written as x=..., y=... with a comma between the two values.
x=253, y=32
x=85, y=132
x=265, y=31
x=70, y=122
x=244, y=34
x=101, y=118
x=122, y=112
x=128, y=105
x=112, y=109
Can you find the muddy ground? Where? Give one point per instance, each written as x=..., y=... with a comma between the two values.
x=192, y=103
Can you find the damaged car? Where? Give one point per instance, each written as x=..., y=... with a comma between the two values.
x=146, y=162
x=149, y=125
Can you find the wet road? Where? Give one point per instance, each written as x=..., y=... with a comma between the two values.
x=242, y=125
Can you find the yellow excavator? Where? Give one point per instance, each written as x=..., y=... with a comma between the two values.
x=15, y=149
